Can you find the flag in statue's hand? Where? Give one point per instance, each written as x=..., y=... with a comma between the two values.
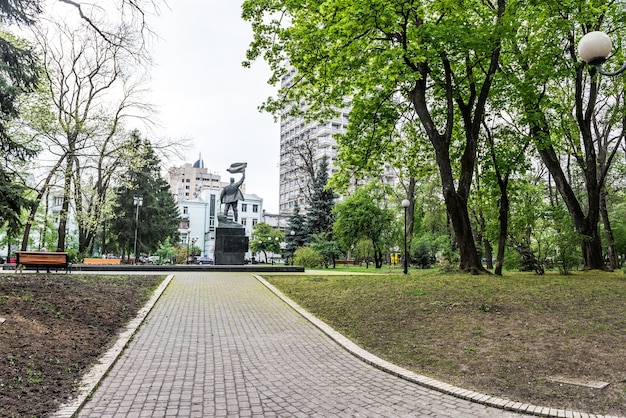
x=237, y=168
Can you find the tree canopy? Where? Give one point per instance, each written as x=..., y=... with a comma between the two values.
x=158, y=215
x=444, y=71
x=364, y=215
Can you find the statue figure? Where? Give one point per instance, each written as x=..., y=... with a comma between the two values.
x=231, y=194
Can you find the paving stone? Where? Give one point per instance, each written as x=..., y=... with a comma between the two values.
x=222, y=344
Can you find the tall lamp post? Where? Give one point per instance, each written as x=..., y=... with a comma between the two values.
x=594, y=48
x=405, y=259
x=137, y=202
x=292, y=245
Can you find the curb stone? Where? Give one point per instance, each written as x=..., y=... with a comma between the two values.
x=377, y=362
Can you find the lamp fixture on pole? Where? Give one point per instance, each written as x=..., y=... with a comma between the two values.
x=405, y=258
x=137, y=202
x=594, y=48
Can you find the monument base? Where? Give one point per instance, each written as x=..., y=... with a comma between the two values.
x=231, y=245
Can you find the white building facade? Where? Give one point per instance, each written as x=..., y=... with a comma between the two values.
x=199, y=218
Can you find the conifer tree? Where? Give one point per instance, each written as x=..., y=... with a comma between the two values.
x=158, y=214
x=18, y=75
x=319, y=218
x=296, y=234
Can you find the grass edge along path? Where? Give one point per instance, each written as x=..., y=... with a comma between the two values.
x=517, y=337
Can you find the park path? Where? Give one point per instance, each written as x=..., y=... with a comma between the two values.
x=222, y=344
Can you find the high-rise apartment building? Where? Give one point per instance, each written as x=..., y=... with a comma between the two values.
x=302, y=146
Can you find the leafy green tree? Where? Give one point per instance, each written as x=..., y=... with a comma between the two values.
x=363, y=250
x=166, y=251
x=319, y=217
x=364, y=215
x=265, y=239
x=326, y=247
x=387, y=52
x=158, y=214
x=308, y=257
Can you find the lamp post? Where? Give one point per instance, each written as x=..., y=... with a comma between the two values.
x=292, y=245
x=193, y=244
x=137, y=202
x=594, y=48
x=273, y=253
x=405, y=260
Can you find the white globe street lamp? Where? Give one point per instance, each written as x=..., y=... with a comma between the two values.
x=594, y=48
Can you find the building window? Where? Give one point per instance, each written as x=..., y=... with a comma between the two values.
x=243, y=221
x=254, y=221
x=244, y=207
x=185, y=210
x=255, y=208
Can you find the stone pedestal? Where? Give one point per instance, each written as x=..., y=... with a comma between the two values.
x=231, y=244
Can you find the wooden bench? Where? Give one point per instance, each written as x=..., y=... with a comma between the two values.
x=349, y=262
x=108, y=261
x=42, y=259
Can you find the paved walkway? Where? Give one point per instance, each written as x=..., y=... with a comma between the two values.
x=222, y=344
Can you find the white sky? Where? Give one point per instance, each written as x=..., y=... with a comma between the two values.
x=202, y=92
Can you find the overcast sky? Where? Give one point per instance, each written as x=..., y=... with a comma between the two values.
x=203, y=93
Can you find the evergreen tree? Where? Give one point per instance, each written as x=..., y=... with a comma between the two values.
x=158, y=214
x=18, y=75
x=296, y=235
x=319, y=219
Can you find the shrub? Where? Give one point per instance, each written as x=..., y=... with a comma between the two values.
x=309, y=258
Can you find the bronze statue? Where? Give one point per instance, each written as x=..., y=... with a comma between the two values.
x=231, y=194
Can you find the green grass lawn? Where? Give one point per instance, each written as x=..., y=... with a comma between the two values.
x=506, y=336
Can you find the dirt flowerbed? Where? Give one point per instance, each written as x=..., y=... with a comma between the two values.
x=55, y=326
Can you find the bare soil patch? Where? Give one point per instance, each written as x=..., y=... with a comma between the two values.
x=509, y=337
x=55, y=327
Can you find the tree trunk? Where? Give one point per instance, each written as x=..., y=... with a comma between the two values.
x=608, y=231
x=65, y=207
x=459, y=216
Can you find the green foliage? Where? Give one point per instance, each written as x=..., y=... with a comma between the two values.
x=296, y=236
x=363, y=215
x=14, y=199
x=18, y=76
x=319, y=218
x=327, y=248
x=518, y=75
x=166, y=251
x=265, y=239
x=158, y=215
x=422, y=255
x=309, y=258
x=363, y=249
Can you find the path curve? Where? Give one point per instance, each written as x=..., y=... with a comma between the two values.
x=222, y=344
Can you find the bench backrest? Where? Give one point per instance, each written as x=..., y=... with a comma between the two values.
x=42, y=258
x=102, y=261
